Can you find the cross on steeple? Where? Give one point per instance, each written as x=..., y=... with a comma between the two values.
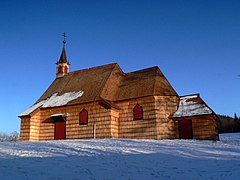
x=64, y=40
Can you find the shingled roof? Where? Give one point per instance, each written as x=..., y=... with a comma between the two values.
x=108, y=83
x=91, y=81
x=146, y=82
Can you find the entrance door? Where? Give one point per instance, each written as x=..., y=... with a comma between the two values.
x=185, y=129
x=60, y=130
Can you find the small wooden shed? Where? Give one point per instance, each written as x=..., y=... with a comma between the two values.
x=195, y=119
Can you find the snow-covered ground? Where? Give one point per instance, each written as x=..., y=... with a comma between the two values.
x=122, y=159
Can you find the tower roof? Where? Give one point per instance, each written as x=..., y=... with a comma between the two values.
x=63, y=57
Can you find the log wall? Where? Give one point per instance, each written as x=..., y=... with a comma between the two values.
x=30, y=127
x=113, y=123
x=25, y=128
x=110, y=123
x=165, y=106
x=35, y=126
x=144, y=128
x=114, y=114
x=203, y=127
x=106, y=120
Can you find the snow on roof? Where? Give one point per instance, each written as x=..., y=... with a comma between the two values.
x=56, y=100
x=32, y=108
x=192, y=105
x=53, y=101
x=56, y=115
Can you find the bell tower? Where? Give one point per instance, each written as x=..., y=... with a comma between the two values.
x=62, y=65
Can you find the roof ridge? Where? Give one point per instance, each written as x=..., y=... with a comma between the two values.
x=194, y=94
x=141, y=70
x=95, y=67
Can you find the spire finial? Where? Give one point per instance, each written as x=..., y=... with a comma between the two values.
x=64, y=40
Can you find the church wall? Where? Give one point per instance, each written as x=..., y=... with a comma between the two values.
x=106, y=121
x=30, y=127
x=113, y=123
x=35, y=126
x=165, y=106
x=114, y=114
x=25, y=128
x=144, y=128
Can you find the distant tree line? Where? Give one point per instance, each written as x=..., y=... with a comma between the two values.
x=14, y=136
x=227, y=124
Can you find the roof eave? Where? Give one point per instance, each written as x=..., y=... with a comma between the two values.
x=182, y=117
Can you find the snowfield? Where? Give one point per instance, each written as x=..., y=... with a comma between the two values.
x=122, y=159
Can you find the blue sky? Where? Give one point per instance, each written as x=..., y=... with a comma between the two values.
x=196, y=44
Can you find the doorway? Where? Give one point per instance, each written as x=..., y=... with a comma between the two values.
x=185, y=129
x=60, y=128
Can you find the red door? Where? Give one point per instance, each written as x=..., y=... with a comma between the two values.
x=185, y=129
x=60, y=130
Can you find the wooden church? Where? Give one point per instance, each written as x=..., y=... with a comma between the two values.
x=105, y=102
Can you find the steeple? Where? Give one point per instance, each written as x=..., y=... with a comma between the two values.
x=63, y=57
x=62, y=67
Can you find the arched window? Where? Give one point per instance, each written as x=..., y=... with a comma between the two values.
x=83, y=117
x=137, y=112
x=60, y=69
x=65, y=69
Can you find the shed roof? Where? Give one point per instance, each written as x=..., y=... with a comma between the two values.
x=192, y=105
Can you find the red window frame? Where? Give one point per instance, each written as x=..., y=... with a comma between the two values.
x=83, y=117
x=137, y=112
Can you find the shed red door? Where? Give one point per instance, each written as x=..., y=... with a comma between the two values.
x=60, y=130
x=185, y=129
